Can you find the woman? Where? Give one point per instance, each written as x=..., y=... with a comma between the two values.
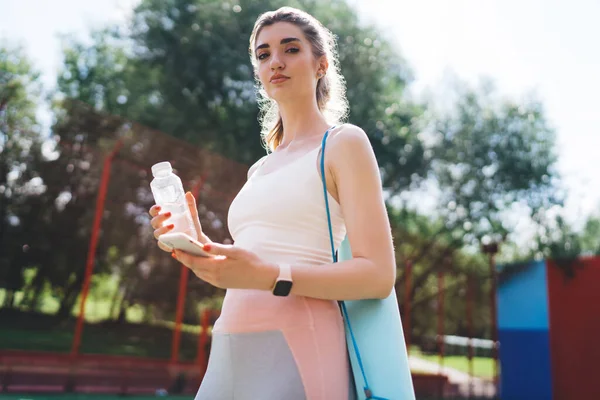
x=280, y=335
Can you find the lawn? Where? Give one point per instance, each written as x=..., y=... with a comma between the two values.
x=36, y=331
x=482, y=367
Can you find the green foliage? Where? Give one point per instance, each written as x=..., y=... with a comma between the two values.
x=19, y=86
x=590, y=236
x=490, y=156
x=20, y=148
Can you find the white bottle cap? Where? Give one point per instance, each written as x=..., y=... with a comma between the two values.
x=164, y=166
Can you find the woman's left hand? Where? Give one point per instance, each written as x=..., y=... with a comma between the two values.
x=230, y=267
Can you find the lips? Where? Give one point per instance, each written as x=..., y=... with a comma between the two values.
x=279, y=78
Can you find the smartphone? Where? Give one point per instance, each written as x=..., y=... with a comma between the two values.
x=183, y=242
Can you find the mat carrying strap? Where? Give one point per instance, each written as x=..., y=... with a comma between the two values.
x=367, y=389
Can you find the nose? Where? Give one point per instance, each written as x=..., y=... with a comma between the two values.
x=276, y=62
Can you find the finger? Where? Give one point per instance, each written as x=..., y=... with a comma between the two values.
x=204, y=268
x=159, y=220
x=164, y=229
x=206, y=277
x=164, y=247
x=218, y=249
x=154, y=210
x=191, y=201
x=203, y=264
x=185, y=258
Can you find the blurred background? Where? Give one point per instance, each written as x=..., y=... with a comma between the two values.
x=483, y=116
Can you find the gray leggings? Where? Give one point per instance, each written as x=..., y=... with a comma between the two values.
x=251, y=366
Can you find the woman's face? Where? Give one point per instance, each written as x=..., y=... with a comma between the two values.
x=286, y=66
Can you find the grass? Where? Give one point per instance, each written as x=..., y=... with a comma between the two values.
x=483, y=367
x=41, y=331
x=98, y=304
x=36, y=331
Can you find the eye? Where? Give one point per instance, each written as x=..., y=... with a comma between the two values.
x=293, y=50
x=262, y=56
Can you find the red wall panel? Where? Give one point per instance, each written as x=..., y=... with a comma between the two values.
x=574, y=306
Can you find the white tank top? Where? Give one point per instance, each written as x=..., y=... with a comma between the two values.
x=281, y=217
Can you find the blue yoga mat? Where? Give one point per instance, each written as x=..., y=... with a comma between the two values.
x=374, y=333
x=379, y=336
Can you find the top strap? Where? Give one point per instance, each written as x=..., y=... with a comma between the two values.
x=333, y=252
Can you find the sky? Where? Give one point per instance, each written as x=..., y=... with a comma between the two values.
x=545, y=47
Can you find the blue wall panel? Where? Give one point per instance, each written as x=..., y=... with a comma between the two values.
x=525, y=365
x=523, y=300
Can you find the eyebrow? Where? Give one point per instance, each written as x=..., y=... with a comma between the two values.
x=283, y=41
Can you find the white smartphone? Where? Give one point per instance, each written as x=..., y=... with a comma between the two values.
x=183, y=242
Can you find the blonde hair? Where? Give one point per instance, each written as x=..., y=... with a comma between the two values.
x=331, y=88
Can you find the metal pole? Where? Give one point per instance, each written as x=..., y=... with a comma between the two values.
x=492, y=249
x=441, y=308
x=202, y=358
x=470, y=330
x=91, y=257
x=183, y=280
x=493, y=310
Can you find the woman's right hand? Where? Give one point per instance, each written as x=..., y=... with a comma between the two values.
x=191, y=202
x=158, y=222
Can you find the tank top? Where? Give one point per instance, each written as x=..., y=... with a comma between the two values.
x=281, y=217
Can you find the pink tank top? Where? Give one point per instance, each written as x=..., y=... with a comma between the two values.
x=281, y=217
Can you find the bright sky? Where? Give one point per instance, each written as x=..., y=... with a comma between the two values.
x=549, y=46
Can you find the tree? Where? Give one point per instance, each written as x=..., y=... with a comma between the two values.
x=20, y=147
x=590, y=237
x=490, y=156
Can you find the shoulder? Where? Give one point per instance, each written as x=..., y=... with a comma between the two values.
x=349, y=135
x=349, y=143
x=255, y=166
x=351, y=162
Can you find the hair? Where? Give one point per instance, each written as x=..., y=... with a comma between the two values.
x=331, y=88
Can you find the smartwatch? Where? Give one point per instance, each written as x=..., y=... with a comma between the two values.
x=283, y=284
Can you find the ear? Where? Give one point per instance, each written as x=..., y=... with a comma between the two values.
x=322, y=65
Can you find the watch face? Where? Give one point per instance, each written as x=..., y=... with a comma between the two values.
x=282, y=288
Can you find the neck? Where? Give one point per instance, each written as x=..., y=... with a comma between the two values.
x=301, y=120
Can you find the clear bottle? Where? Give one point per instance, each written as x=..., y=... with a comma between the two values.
x=168, y=193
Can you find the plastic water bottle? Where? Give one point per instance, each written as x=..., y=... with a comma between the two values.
x=168, y=193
